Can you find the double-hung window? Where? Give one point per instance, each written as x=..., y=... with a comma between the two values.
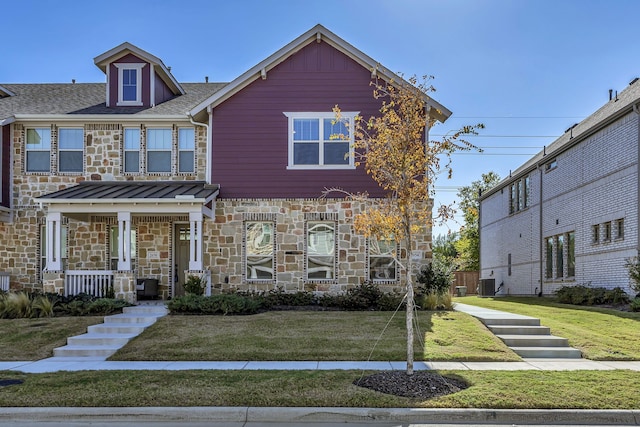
x=70, y=150
x=259, y=250
x=318, y=140
x=186, y=150
x=132, y=150
x=38, y=150
x=159, y=150
x=129, y=84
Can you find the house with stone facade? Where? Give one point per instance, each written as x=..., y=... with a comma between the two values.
x=569, y=215
x=108, y=186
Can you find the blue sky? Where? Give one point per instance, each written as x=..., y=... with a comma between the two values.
x=527, y=69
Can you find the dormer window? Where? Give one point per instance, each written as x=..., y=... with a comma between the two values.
x=129, y=84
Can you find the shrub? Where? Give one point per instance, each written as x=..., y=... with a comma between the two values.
x=433, y=280
x=195, y=285
x=216, y=304
x=428, y=301
x=635, y=304
x=584, y=295
x=633, y=266
x=18, y=305
x=105, y=306
x=42, y=307
x=445, y=301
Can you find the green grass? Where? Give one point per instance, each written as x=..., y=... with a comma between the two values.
x=303, y=335
x=488, y=389
x=33, y=339
x=600, y=333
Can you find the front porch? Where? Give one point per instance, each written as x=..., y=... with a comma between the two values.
x=108, y=239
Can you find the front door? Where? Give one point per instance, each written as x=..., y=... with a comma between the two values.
x=181, y=257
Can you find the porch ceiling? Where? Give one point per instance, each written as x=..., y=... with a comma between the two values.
x=140, y=197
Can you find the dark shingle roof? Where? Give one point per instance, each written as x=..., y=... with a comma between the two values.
x=127, y=190
x=89, y=98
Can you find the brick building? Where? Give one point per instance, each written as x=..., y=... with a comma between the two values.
x=570, y=214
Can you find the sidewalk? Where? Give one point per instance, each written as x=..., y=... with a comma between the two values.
x=56, y=364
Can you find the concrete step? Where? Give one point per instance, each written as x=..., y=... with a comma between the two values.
x=103, y=351
x=519, y=330
x=548, y=352
x=93, y=339
x=533, y=341
x=131, y=318
x=516, y=321
x=118, y=328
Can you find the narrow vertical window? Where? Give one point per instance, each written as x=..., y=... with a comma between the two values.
x=527, y=191
x=70, y=150
x=607, y=231
x=595, y=234
x=560, y=256
x=320, y=250
x=509, y=264
x=129, y=85
x=132, y=150
x=521, y=194
x=114, y=240
x=571, y=254
x=382, y=260
x=620, y=228
x=38, y=150
x=549, y=257
x=159, y=150
x=186, y=150
x=512, y=199
x=259, y=250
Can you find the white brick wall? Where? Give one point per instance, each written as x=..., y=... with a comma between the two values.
x=596, y=181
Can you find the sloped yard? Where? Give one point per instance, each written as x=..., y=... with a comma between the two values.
x=600, y=333
x=304, y=335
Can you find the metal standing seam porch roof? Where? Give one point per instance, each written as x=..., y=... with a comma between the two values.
x=146, y=195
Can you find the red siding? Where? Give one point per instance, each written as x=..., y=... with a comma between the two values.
x=249, y=132
x=113, y=80
x=6, y=165
x=162, y=91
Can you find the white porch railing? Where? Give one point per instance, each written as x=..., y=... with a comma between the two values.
x=4, y=281
x=92, y=282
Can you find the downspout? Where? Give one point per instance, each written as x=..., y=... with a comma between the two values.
x=637, y=111
x=540, y=241
x=208, y=151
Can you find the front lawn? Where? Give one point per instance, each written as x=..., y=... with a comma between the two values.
x=600, y=333
x=305, y=335
x=34, y=339
x=488, y=389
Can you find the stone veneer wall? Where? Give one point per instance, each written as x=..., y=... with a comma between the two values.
x=223, y=244
x=88, y=241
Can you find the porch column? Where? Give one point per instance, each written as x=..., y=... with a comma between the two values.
x=195, y=241
x=54, y=241
x=124, y=241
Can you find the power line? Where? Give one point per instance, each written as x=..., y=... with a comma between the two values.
x=504, y=136
x=517, y=117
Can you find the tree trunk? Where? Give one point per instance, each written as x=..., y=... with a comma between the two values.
x=410, y=305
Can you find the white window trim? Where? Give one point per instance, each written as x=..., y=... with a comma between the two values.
x=27, y=150
x=125, y=150
x=320, y=116
x=130, y=66
x=170, y=150
x=192, y=150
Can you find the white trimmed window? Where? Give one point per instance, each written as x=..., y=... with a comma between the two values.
x=131, y=150
x=382, y=260
x=159, y=150
x=186, y=150
x=70, y=150
x=129, y=84
x=321, y=253
x=318, y=140
x=259, y=245
x=38, y=150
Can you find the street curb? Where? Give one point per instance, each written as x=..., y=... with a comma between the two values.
x=369, y=415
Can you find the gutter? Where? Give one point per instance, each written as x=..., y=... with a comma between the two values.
x=7, y=121
x=100, y=117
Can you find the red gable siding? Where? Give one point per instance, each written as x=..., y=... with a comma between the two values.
x=113, y=80
x=249, y=132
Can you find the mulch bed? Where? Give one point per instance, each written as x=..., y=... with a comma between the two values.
x=420, y=385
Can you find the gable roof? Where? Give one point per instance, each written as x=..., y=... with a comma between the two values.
x=622, y=104
x=112, y=55
x=315, y=34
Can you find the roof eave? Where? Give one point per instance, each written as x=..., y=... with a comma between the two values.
x=138, y=201
x=98, y=117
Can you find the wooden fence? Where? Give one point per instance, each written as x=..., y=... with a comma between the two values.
x=469, y=279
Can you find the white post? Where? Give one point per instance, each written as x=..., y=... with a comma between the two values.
x=195, y=241
x=54, y=241
x=124, y=241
